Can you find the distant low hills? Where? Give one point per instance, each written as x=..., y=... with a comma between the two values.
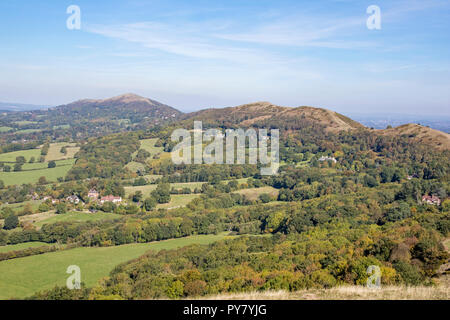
x=126, y=106
x=89, y=118
x=17, y=107
x=439, y=122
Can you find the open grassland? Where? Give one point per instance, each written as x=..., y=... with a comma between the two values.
x=11, y=156
x=17, y=207
x=25, y=131
x=347, y=293
x=37, y=217
x=44, y=165
x=190, y=185
x=177, y=201
x=32, y=176
x=152, y=177
x=24, y=276
x=149, y=145
x=21, y=246
x=76, y=216
x=134, y=166
x=24, y=123
x=147, y=190
x=54, y=152
x=5, y=129
x=254, y=193
x=62, y=127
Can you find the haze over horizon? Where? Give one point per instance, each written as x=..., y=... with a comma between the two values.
x=227, y=53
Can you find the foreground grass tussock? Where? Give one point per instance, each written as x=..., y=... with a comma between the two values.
x=347, y=293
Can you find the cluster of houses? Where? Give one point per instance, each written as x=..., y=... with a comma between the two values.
x=93, y=195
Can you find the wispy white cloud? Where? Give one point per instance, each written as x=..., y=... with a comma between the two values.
x=237, y=42
x=304, y=31
x=187, y=40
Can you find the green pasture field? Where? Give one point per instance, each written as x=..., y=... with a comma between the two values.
x=32, y=176
x=11, y=156
x=25, y=131
x=147, y=189
x=16, y=207
x=78, y=216
x=178, y=200
x=22, y=277
x=44, y=165
x=63, y=127
x=21, y=246
x=149, y=145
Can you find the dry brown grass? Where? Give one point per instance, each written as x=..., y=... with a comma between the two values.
x=347, y=293
x=433, y=138
x=254, y=193
x=55, y=154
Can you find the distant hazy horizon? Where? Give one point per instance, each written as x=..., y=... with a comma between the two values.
x=362, y=116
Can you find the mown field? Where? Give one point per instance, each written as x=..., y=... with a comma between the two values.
x=78, y=217
x=22, y=277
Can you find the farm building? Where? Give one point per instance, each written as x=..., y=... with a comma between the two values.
x=431, y=200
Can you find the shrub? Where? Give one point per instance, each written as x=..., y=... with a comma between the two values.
x=61, y=208
x=265, y=198
x=11, y=222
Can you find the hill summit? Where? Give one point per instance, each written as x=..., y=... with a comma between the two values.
x=121, y=105
x=259, y=113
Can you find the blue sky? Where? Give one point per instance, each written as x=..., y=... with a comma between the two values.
x=199, y=54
